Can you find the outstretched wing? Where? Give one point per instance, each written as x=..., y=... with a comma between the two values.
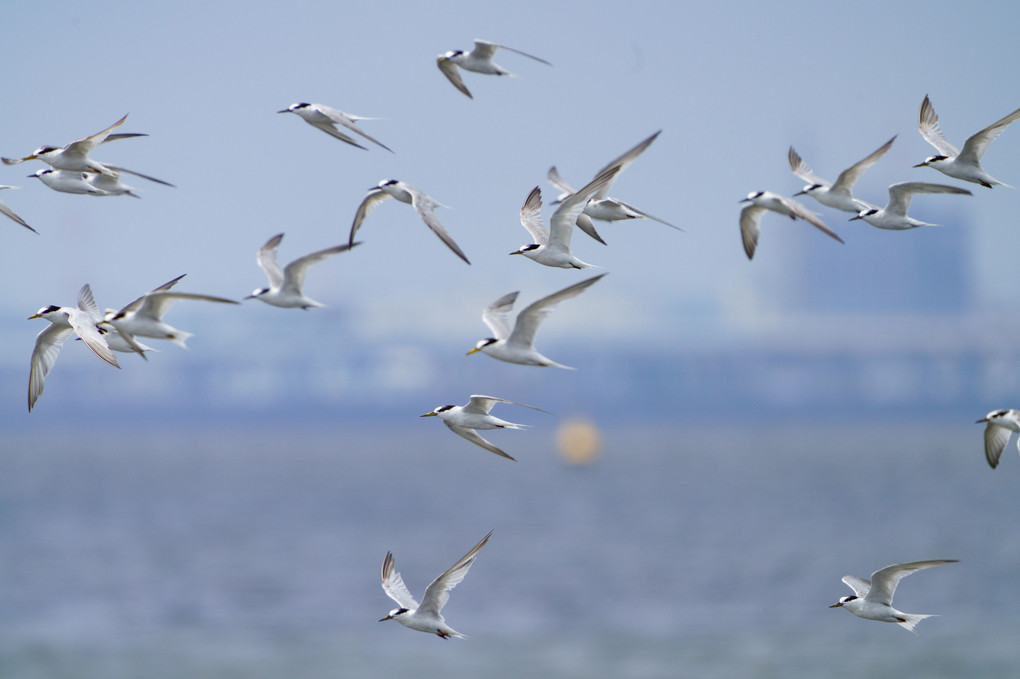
x=394, y=585
x=884, y=580
x=928, y=125
x=532, y=316
x=497, y=315
x=475, y=438
x=438, y=592
x=452, y=73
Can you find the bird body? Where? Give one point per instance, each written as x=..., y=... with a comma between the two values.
x=478, y=60
x=872, y=599
x=326, y=118
x=516, y=345
x=766, y=201
x=962, y=164
x=894, y=215
x=426, y=616
x=475, y=414
x=67, y=181
x=998, y=425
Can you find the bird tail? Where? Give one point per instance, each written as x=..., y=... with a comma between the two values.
x=912, y=619
x=180, y=338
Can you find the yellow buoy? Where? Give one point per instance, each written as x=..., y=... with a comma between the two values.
x=579, y=441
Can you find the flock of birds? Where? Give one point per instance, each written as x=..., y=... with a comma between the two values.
x=73, y=170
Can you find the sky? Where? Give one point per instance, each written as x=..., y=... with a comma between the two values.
x=730, y=86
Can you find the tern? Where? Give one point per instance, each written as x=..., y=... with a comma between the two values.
x=8, y=212
x=75, y=156
x=763, y=201
x=872, y=599
x=478, y=60
x=552, y=248
x=601, y=206
x=894, y=214
x=464, y=420
x=144, y=316
x=285, y=285
x=999, y=423
x=326, y=118
x=67, y=181
x=423, y=204
x=840, y=194
x=965, y=164
x=516, y=345
x=83, y=321
x=426, y=616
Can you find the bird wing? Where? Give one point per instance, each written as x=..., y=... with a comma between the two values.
x=341, y=118
x=884, y=580
x=117, y=168
x=482, y=404
x=532, y=316
x=646, y=215
x=750, y=219
x=497, y=315
x=84, y=325
x=800, y=211
x=452, y=73
x=801, y=169
x=561, y=224
x=901, y=193
x=485, y=49
x=425, y=207
x=267, y=260
x=44, y=355
x=622, y=162
x=848, y=177
x=294, y=273
x=531, y=217
x=556, y=180
x=370, y=202
x=928, y=125
x=860, y=586
x=996, y=438
x=155, y=304
x=8, y=212
x=135, y=304
x=475, y=438
x=394, y=585
x=977, y=143
x=81, y=148
x=438, y=591
x=585, y=223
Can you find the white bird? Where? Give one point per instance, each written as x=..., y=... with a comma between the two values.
x=552, y=248
x=285, y=285
x=965, y=164
x=83, y=321
x=326, y=118
x=464, y=420
x=478, y=60
x=67, y=181
x=517, y=345
x=999, y=423
x=894, y=214
x=75, y=156
x=423, y=204
x=601, y=206
x=426, y=616
x=143, y=317
x=763, y=201
x=840, y=194
x=8, y=212
x=872, y=599
x=109, y=184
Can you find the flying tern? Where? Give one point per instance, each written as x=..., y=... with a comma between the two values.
x=8, y=212
x=965, y=164
x=552, y=248
x=840, y=194
x=83, y=321
x=326, y=118
x=894, y=214
x=464, y=420
x=423, y=204
x=285, y=285
x=517, y=345
x=67, y=181
x=763, y=201
x=143, y=317
x=872, y=599
x=426, y=616
x=478, y=60
x=999, y=424
x=601, y=206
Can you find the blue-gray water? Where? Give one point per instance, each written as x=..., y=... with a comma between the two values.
x=692, y=551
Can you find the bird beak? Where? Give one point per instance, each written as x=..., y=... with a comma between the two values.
x=286, y=110
x=388, y=617
x=836, y=605
x=924, y=164
x=33, y=316
x=472, y=351
x=430, y=414
x=744, y=200
x=516, y=252
x=855, y=218
x=799, y=193
x=983, y=419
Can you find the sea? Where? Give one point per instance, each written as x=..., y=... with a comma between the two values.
x=688, y=549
